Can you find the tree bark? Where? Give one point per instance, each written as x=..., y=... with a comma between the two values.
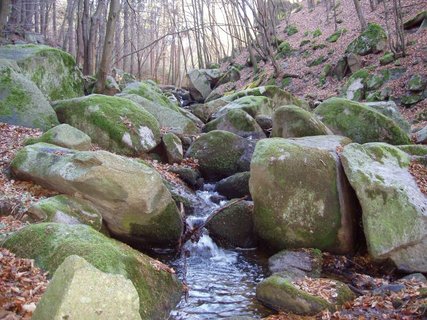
x=4, y=12
x=359, y=12
x=104, y=66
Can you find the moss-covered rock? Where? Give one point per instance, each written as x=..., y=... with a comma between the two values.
x=235, y=186
x=80, y=291
x=372, y=40
x=280, y=294
x=66, y=209
x=284, y=49
x=416, y=20
x=173, y=147
x=21, y=102
x=411, y=99
x=393, y=207
x=294, y=122
x=417, y=83
x=359, y=122
x=116, y=124
x=336, y=35
x=295, y=264
x=221, y=154
x=390, y=109
x=49, y=244
x=387, y=58
x=201, y=82
x=131, y=196
x=414, y=149
x=169, y=119
x=65, y=136
x=316, y=33
x=237, y=121
x=354, y=88
x=317, y=61
x=233, y=226
x=277, y=95
x=53, y=71
x=301, y=198
x=252, y=105
x=291, y=30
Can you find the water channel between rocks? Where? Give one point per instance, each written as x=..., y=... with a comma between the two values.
x=221, y=282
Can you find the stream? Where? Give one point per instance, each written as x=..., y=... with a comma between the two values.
x=221, y=282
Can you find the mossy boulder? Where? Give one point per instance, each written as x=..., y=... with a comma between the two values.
x=359, y=122
x=294, y=122
x=233, y=226
x=387, y=58
x=416, y=20
x=173, y=147
x=278, y=96
x=49, y=244
x=53, y=71
x=65, y=136
x=284, y=49
x=411, y=99
x=390, y=109
x=253, y=105
x=282, y=294
x=417, y=83
x=336, y=35
x=301, y=197
x=393, y=207
x=237, y=121
x=355, y=86
x=372, y=40
x=291, y=30
x=131, y=196
x=414, y=149
x=235, y=186
x=80, y=291
x=21, y=101
x=221, y=154
x=168, y=118
x=66, y=209
x=116, y=124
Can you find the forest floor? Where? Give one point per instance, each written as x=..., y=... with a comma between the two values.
x=307, y=83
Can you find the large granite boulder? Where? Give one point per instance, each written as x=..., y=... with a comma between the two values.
x=253, y=105
x=21, y=101
x=201, y=82
x=235, y=186
x=116, y=124
x=372, y=40
x=49, y=244
x=239, y=122
x=133, y=201
x=301, y=196
x=169, y=118
x=55, y=72
x=295, y=122
x=394, y=210
x=221, y=154
x=80, y=291
x=390, y=109
x=65, y=136
x=359, y=122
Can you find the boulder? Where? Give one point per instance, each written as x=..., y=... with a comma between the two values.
x=49, y=244
x=414, y=149
x=359, y=122
x=354, y=62
x=206, y=110
x=238, y=122
x=411, y=99
x=111, y=86
x=133, y=201
x=355, y=86
x=372, y=40
x=416, y=20
x=294, y=122
x=221, y=154
x=116, y=124
x=235, y=186
x=201, y=82
x=21, y=101
x=169, y=119
x=232, y=75
x=65, y=136
x=421, y=136
x=189, y=175
x=282, y=294
x=417, y=83
x=390, y=109
x=253, y=105
x=66, y=209
x=294, y=264
x=80, y=291
x=233, y=226
x=54, y=72
x=301, y=196
x=173, y=147
x=264, y=121
x=394, y=210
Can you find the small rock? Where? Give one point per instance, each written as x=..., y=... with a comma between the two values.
x=235, y=186
x=421, y=136
x=297, y=264
x=173, y=148
x=416, y=276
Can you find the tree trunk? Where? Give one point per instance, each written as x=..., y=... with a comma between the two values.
x=359, y=12
x=104, y=66
x=4, y=12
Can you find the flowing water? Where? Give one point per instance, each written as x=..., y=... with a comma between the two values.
x=221, y=282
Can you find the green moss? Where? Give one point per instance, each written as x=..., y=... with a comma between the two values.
x=387, y=58
x=318, y=46
x=291, y=30
x=316, y=33
x=19, y=160
x=414, y=150
x=285, y=49
x=304, y=42
x=317, y=61
x=370, y=41
x=50, y=243
x=336, y=35
x=286, y=82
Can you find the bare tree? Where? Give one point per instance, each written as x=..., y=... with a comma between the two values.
x=360, y=14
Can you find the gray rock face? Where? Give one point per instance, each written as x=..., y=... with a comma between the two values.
x=300, y=193
x=133, y=201
x=390, y=109
x=65, y=136
x=80, y=291
x=67, y=210
x=394, y=209
x=21, y=102
x=234, y=226
x=173, y=148
x=421, y=136
x=296, y=264
x=201, y=82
